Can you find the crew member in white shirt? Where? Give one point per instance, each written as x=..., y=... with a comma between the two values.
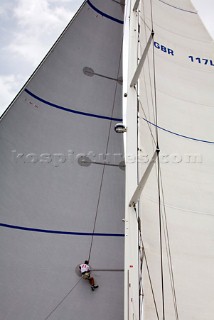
x=85, y=272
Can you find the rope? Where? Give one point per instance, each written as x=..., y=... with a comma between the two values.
x=138, y=221
x=151, y=6
x=55, y=308
x=95, y=219
x=104, y=166
x=149, y=125
x=150, y=280
x=169, y=256
x=147, y=267
x=161, y=241
x=160, y=186
x=160, y=189
x=150, y=80
x=155, y=93
x=144, y=21
x=158, y=177
x=98, y=202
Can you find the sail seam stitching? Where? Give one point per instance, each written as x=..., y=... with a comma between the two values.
x=71, y=110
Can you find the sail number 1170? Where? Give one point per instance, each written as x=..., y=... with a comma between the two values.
x=200, y=60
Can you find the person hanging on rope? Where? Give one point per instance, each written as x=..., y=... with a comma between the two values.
x=85, y=272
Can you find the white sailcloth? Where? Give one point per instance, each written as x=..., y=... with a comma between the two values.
x=62, y=197
x=177, y=104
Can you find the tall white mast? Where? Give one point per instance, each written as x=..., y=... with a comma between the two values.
x=130, y=107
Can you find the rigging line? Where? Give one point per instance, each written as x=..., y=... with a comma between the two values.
x=141, y=255
x=171, y=274
x=103, y=170
x=143, y=19
x=160, y=220
x=95, y=219
x=146, y=91
x=155, y=93
x=169, y=252
x=158, y=173
x=55, y=308
x=152, y=15
x=138, y=169
x=150, y=80
x=160, y=236
x=149, y=126
x=154, y=72
x=147, y=267
x=157, y=146
x=152, y=289
x=149, y=276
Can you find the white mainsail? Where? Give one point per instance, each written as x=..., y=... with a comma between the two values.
x=62, y=177
x=175, y=98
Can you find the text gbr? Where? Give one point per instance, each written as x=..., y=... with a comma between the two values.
x=163, y=48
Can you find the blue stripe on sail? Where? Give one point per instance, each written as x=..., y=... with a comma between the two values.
x=168, y=4
x=62, y=232
x=104, y=14
x=178, y=134
x=70, y=110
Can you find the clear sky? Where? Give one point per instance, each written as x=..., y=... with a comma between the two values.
x=30, y=27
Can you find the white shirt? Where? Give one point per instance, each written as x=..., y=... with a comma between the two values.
x=84, y=268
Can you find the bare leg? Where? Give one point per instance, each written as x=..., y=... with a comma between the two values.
x=91, y=280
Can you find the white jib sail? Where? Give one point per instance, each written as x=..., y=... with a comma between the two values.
x=175, y=113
